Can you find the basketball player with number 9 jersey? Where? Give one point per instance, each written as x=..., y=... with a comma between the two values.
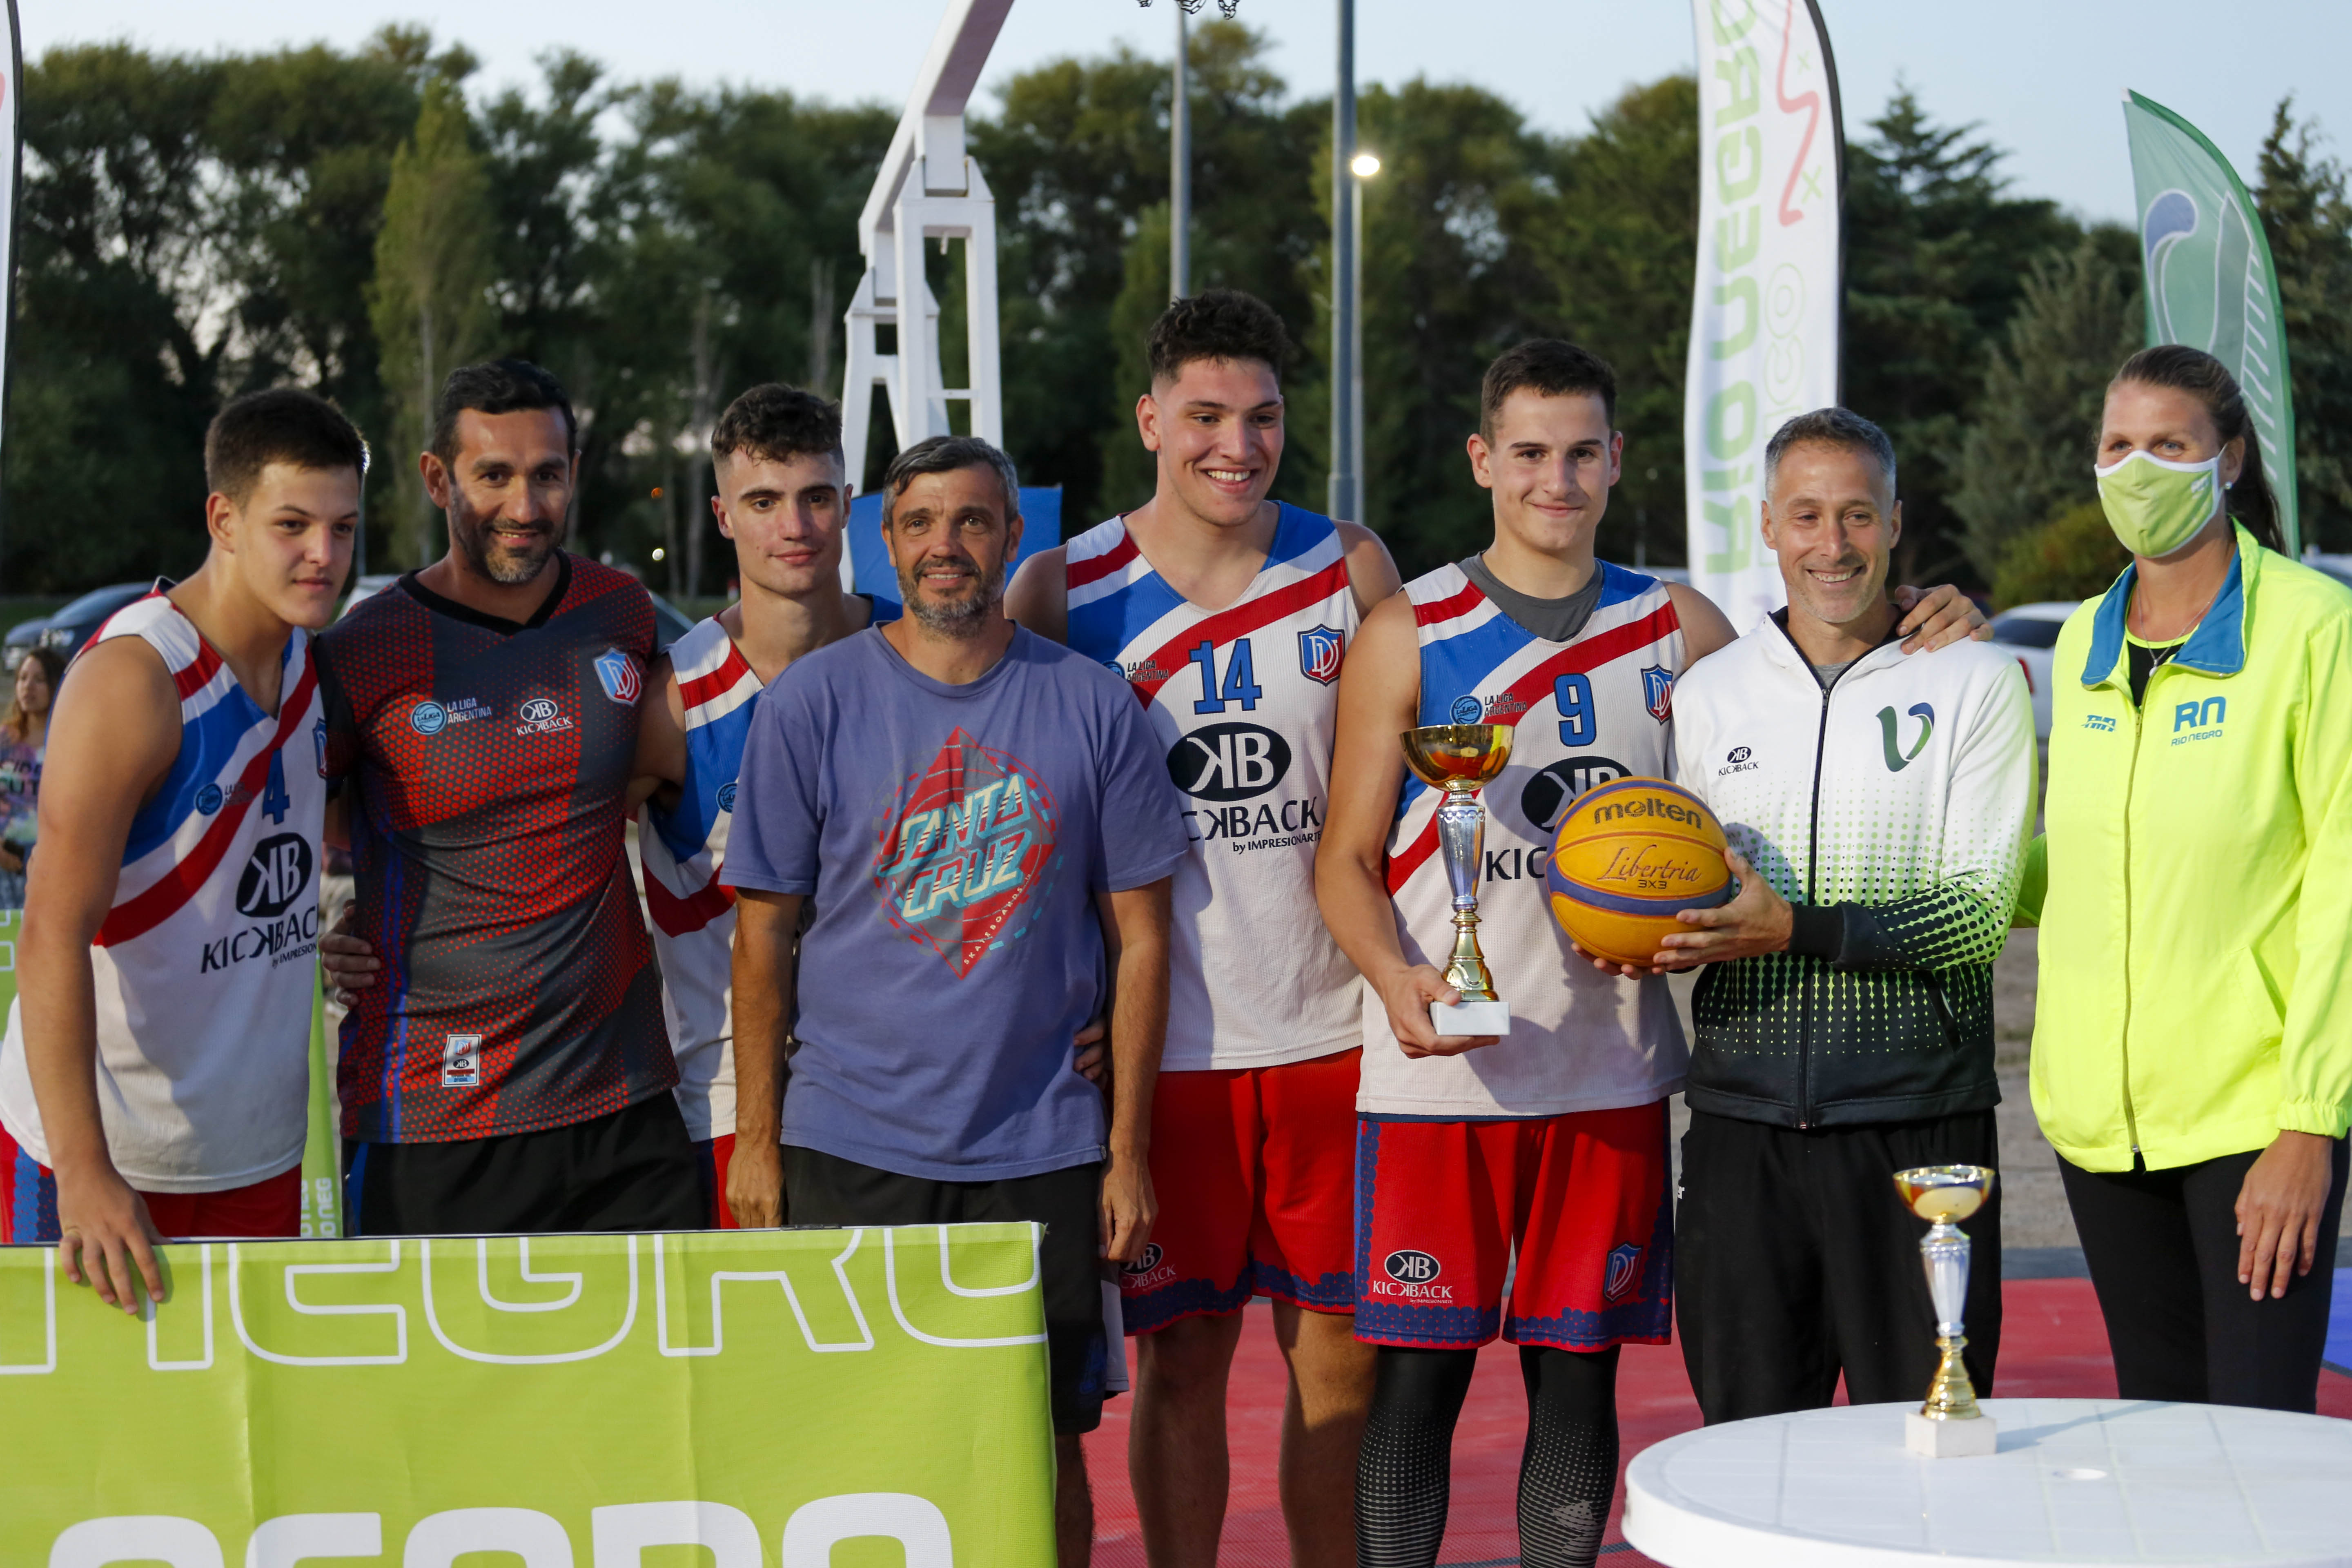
x=154, y=1079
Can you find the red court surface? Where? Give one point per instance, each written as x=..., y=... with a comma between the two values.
x=2051, y=1344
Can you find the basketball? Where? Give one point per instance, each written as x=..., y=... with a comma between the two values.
x=1628, y=855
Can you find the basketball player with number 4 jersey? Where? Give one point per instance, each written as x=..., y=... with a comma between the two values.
x=156, y=1076
x=1546, y=1144
x=784, y=499
x=1230, y=615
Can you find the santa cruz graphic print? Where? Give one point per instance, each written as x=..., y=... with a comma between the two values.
x=968, y=855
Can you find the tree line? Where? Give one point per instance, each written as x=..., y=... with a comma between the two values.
x=359, y=222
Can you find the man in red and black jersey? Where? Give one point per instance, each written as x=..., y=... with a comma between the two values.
x=509, y=1070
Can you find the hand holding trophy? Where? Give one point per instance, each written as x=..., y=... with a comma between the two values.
x=1459, y=759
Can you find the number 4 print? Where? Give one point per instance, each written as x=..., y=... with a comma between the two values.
x=1241, y=679
x=274, y=799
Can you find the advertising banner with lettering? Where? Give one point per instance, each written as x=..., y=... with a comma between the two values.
x=1766, y=303
x=2209, y=281
x=573, y=1402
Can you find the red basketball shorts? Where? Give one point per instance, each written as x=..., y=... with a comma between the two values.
x=269, y=1208
x=1440, y=1207
x=1250, y=1165
x=711, y=1157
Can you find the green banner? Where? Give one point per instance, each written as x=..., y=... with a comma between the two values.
x=2210, y=283
x=572, y=1401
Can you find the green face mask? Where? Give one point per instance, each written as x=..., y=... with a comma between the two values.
x=2156, y=507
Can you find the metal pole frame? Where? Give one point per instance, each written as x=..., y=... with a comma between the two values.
x=1180, y=168
x=1346, y=462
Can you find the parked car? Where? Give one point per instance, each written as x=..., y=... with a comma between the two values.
x=67, y=630
x=367, y=587
x=2030, y=632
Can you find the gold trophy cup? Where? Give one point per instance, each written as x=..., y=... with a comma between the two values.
x=1459, y=759
x=1950, y=1425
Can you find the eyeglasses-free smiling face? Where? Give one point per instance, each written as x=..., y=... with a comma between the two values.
x=1549, y=463
x=1217, y=426
x=1833, y=520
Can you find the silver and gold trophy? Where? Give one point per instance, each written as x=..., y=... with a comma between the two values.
x=1950, y=1425
x=1459, y=759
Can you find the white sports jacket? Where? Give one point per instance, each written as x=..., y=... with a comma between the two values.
x=1893, y=809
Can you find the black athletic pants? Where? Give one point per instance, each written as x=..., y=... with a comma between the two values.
x=633, y=1170
x=2162, y=1246
x=1795, y=1261
x=825, y=1189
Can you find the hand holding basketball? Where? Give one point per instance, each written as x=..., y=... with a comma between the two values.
x=1756, y=922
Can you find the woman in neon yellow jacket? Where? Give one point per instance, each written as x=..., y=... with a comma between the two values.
x=2192, y=1048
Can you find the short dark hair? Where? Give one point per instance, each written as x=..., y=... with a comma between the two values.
x=1831, y=426
x=773, y=423
x=2181, y=368
x=1216, y=323
x=283, y=424
x=945, y=454
x=1550, y=367
x=498, y=386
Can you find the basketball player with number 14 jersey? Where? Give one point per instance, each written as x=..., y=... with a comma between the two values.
x=1230, y=615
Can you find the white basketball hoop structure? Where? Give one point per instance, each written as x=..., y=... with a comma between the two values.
x=928, y=188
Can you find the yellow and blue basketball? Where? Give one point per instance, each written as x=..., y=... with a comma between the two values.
x=1629, y=855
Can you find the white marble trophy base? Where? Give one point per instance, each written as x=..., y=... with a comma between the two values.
x=1949, y=1439
x=1471, y=1017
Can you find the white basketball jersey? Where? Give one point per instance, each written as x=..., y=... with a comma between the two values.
x=1584, y=712
x=682, y=848
x=205, y=965
x=1244, y=698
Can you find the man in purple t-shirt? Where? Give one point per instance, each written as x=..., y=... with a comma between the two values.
x=986, y=827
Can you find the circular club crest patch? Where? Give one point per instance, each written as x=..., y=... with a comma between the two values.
x=428, y=718
x=1468, y=711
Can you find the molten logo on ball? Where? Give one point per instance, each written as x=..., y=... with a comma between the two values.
x=1629, y=856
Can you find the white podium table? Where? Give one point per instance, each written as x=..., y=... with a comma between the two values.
x=2076, y=1480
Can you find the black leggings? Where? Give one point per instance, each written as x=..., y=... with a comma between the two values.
x=1567, y=1472
x=2162, y=1248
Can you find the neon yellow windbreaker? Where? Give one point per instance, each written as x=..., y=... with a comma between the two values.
x=2194, y=889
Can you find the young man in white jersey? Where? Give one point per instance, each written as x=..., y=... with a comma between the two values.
x=1229, y=614
x=1547, y=1146
x=156, y=1076
x=783, y=496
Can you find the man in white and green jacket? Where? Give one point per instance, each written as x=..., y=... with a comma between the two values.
x=1878, y=807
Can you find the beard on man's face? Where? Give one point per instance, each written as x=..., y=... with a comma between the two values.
x=960, y=615
x=511, y=560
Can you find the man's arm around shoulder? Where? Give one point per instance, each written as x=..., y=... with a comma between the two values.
x=112, y=741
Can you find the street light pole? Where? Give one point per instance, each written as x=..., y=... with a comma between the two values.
x=1347, y=460
x=1180, y=170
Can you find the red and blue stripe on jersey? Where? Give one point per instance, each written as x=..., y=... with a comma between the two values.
x=491, y=762
x=1116, y=597
x=178, y=839
x=1466, y=639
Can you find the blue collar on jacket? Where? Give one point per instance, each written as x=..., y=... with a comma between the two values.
x=2217, y=646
